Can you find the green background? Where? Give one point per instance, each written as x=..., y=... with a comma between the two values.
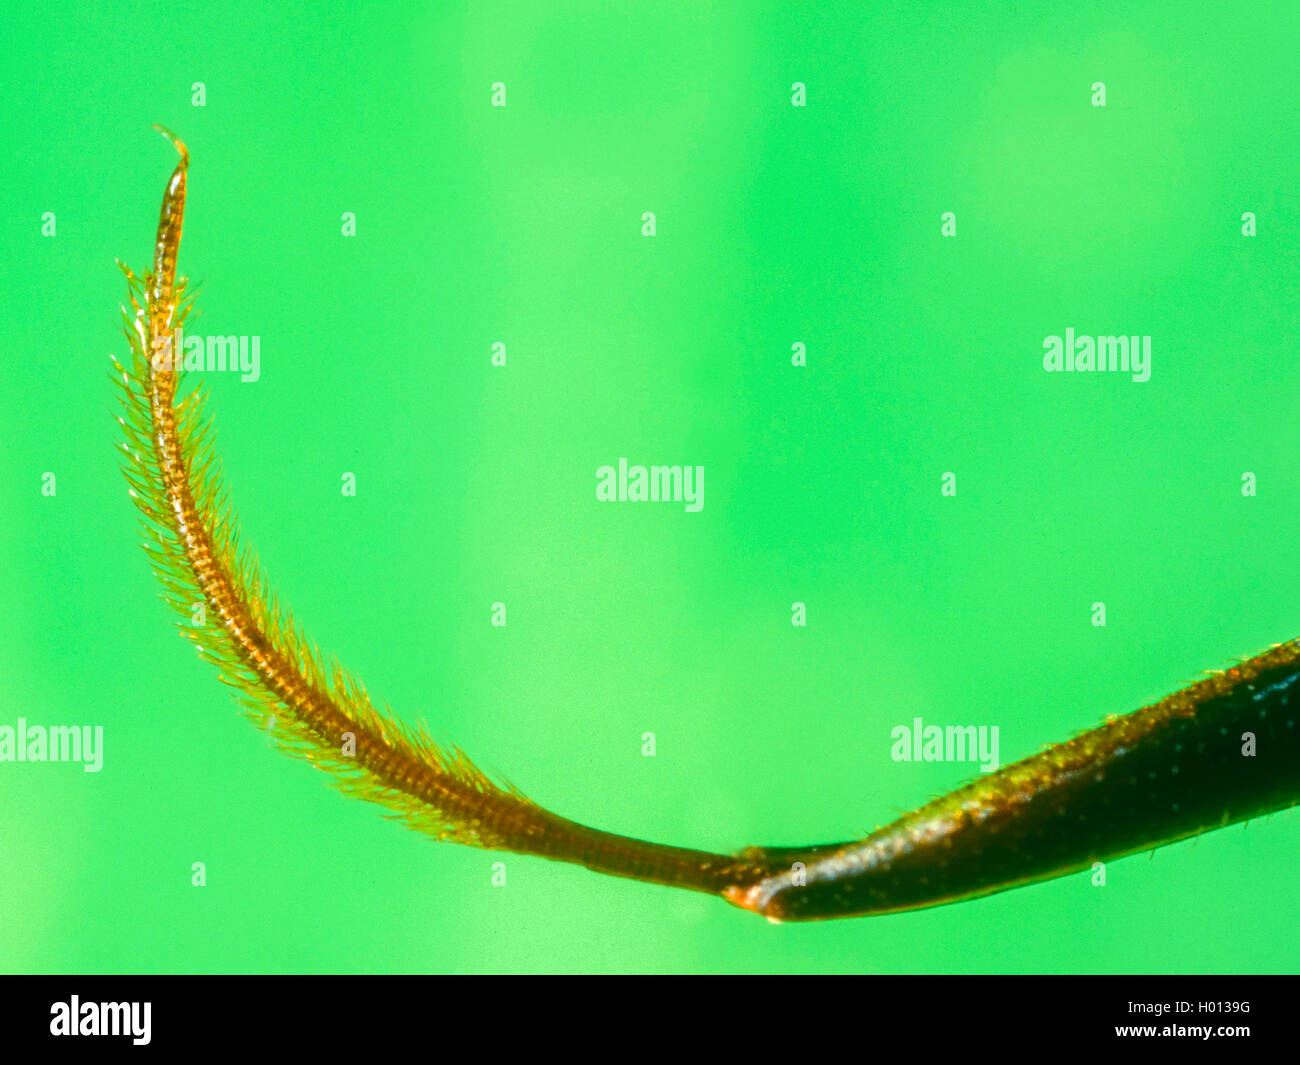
x=476, y=484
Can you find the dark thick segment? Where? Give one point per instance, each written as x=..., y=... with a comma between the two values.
x=1130, y=786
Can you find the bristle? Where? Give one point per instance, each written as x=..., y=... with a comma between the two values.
x=176, y=573
x=310, y=705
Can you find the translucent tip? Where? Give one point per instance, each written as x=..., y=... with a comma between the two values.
x=177, y=143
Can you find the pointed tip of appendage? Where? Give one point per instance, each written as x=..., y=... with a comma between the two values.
x=176, y=143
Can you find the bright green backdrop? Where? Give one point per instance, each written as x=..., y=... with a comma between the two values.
x=476, y=484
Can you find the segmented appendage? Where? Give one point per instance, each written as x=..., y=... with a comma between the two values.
x=313, y=709
x=1223, y=750
x=168, y=244
x=1154, y=776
